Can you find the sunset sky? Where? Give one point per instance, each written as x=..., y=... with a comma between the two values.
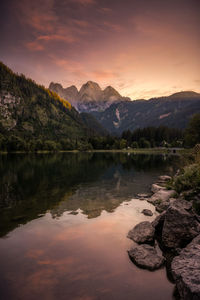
x=143, y=48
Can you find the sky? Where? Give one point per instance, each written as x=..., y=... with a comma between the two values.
x=143, y=48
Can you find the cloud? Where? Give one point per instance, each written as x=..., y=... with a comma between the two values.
x=106, y=74
x=73, y=68
x=81, y=23
x=105, y=10
x=42, y=22
x=112, y=26
x=34, y=46
x=56, y=37
x=48, y=26
x=40, y=43
x=84, y=2
x=38, y=14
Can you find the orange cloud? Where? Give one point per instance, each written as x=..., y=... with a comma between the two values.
x=56, y=37
x=34, y=46
x=42, y=22
x=38, y=14
x=101, y=75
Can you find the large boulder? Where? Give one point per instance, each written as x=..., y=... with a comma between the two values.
x=159, y=221
x=146, y=256
x=156, y=187
x=162, y=195
x=186, y=271
x=142, y=233
x=180, y=225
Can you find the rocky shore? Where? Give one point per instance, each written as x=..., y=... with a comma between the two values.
x=173, y=238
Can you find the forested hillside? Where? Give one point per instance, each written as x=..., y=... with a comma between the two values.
x=173, y=111
x=33, y=117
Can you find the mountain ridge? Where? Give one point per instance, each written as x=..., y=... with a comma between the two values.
x=90, y=97
x=172, y=111
x=117, y=114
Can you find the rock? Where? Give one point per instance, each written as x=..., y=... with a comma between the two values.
x=164, y=178
x=146, y=256
x=180, y=226
x=159, y=220
x=197, y=217
x=143, y=195
x=186, y=271
x=161, y=196
x=158, y=225
x=155, y=188
x=181, y=203
x=147, y=212
x=142, y=233
x=73, y=213
x=162, y=206
x=171, y=200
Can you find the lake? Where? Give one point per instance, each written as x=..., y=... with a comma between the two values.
x=64, y=219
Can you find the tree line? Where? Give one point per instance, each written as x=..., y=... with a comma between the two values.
x=148, y=137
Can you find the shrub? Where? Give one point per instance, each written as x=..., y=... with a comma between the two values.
x=134, y=145
x=143, y=143
x=188, y=180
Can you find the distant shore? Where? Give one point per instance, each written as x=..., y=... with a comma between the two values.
x=134, y=151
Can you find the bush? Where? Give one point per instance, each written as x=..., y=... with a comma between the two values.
x=192, y=133
x=51, y=146
x=134, y=145
x=122, y=144
x=143, y=143
x=188, y=180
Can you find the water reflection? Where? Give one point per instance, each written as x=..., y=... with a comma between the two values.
x=31, y=185
x=72, y=247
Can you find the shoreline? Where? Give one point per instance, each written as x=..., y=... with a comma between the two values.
x=172, y=239
x=134, y=151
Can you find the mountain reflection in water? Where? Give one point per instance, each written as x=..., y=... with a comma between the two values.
x=64, y=220
x=32, y=184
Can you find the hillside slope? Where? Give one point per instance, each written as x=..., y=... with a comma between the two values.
x=173, y=111
x=29, y=111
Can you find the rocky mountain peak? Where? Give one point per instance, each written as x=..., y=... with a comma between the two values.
x=71, y=93
x=90, y=97
x=111, y=94
x=55, y=86
x=72, y=88
x=90, y=91
x=91, y=84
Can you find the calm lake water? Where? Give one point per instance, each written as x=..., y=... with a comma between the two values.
x=63, y=225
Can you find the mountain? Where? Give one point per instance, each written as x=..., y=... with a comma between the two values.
x=29, y=111
x=91, y=122
x=172, y=111
x=70, y=93
x=111, y=94
x=90, y=97
x=185, y=95
x=90, y=91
